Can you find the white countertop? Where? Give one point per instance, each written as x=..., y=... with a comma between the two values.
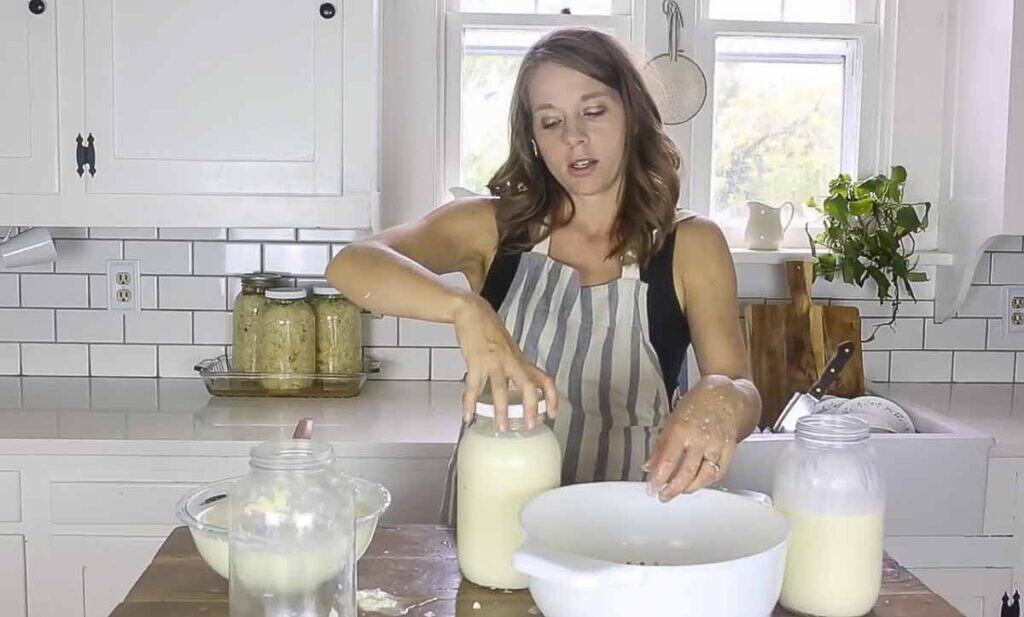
x=41, y=409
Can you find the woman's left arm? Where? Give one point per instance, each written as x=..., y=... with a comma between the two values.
x=697, y=442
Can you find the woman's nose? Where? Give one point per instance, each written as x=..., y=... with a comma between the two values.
x=574, y=134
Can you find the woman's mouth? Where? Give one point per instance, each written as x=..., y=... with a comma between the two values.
x=582, y=167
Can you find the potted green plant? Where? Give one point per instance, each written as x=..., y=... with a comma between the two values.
x=869, y=235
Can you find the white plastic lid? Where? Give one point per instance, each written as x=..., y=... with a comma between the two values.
x=323, y=290
x=516, y=411
x=286, y=293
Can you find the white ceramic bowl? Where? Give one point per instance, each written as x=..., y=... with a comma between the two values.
x=205, y=511
x=608, y=549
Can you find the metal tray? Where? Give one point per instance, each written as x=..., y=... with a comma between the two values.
x=220, y=380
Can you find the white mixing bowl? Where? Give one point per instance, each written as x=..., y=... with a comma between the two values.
x=607, y=549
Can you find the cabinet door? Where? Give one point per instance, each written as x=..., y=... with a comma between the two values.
x=214, y=97
x=12, y=576
x=93, y=574
x=975, y=592
x=28, y=103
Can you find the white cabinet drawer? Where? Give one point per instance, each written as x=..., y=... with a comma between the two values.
x=106, y=503
x=10, y=497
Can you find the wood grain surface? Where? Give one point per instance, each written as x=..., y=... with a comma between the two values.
x=419, y=561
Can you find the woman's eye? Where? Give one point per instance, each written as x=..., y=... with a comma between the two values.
x=549, y=123
x=594, y=113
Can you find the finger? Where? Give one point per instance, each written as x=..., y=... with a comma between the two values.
x=529, y=390
x=469, y=397
x=499, y=388
x=707, y=473
x=547, y=385
x=685, y=473
x=668, y=452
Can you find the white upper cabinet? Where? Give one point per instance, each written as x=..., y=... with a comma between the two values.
x=983, y=158
x=28, y=98
x=208, y=112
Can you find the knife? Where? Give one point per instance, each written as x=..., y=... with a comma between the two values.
x=804, y=404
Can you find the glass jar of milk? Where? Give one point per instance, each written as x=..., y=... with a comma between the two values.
x=827, y=483
x=292, y=535
x=498, y=473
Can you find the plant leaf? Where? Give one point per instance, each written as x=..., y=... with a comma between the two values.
x=907, y=217
x=862, y=207
x=898, y=174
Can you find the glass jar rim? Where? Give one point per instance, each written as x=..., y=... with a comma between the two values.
x=832, y=428
x=291, y=454
x=261, y=279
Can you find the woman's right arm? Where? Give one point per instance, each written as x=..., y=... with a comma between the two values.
x=397, y=272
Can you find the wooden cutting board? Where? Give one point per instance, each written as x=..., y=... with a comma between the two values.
x=791, y=343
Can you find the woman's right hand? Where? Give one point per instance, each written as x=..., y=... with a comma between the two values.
x=492, y=356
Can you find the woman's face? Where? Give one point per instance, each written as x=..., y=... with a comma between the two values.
x=579, y=125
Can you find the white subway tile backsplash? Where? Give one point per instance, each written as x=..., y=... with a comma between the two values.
x=1018, y=371
x=262, y=235
x=399, y=363
x=447, y=365
x=26, y=325
x=65, y=233
x=226, y=258
x=180, y=360
x=161, y=257
x=999, y=339
x=1007, y=243
x=982, y=301
x=9, y=294
x=10, y=359
x=1007, y=268
x=417, y=333
x=876, y=365
x=89, y=327
x=872, y=308
x=123, y=360
x=55, y=359
x=332, y=235
x=123, y=233
x=234, y=287
x=983, y=271
x=212, y=327
x=298, y=259
x=904, y=334
x=193, y=233
x=191, y=292
x=55, y=290
x=380, y=331
x=955, y=334
x=167, y=327
x=762, y=281
x=86, y=256
x=36, y=269
x=921, y=366
x=983, y=366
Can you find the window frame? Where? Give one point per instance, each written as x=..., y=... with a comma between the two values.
x=862, y=101
x=628, y=27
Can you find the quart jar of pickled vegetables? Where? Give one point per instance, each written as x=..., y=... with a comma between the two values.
x=245, y=318
x=286, y=340
x=339, y=332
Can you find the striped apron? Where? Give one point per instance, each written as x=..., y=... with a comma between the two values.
x=594, y=341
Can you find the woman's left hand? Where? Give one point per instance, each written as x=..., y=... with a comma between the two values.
x=697, y=443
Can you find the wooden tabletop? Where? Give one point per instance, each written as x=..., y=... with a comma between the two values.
x=419, y=561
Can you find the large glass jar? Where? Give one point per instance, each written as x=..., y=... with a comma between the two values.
x=498, y=473
x=339, y=332
x=828, y=484
x=245, y=318
x=286, y=339
x=292, y=535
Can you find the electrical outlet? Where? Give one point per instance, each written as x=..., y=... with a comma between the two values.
x=1013, y=308
x=123, y=283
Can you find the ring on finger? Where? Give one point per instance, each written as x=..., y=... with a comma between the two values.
x=714, y=465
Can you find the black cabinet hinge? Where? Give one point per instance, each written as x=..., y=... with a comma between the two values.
x=85, y=154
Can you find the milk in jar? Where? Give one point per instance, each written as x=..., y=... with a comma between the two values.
x=827, y=483
x=498, y=473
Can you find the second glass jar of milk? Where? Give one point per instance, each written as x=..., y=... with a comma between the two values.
x=498, y=473
x=828, y=484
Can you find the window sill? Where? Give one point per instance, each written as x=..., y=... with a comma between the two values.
x=741, y=255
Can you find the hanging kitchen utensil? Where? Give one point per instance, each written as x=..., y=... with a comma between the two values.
x=804, y=404
x=676, y=82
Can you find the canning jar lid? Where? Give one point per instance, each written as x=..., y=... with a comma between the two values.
x=324, y=290
x=286, y=293
x=516, y=408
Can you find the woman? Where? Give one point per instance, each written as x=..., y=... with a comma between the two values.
x=586, y=288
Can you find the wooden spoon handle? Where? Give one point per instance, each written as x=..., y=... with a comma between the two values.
x=304, y=429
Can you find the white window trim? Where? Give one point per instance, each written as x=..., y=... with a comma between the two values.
x=864, y=72
x=629, y=29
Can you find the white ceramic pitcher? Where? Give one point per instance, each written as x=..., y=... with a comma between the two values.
x=765, y=229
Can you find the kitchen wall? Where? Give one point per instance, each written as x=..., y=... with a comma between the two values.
x=53, y=320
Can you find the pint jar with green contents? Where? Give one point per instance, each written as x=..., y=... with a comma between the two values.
x=339, y=332
x=286, y=339
x=248, y=303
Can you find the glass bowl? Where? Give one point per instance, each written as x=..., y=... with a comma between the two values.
x=205, y=511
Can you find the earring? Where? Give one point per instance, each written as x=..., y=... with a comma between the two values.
x=534, y=144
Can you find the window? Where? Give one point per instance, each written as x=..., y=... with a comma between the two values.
x=485, y=44
x=792, y=104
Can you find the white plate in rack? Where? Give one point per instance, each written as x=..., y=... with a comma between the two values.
x=881, y=413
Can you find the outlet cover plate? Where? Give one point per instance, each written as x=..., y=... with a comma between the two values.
x=1009, y=293
x=123, y=297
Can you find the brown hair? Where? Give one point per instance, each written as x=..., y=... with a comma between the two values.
x=529, y=193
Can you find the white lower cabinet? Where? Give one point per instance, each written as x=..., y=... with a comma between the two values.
x=975, y=592
x=12, y=576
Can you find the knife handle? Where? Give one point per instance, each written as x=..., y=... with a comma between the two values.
x=831, y=372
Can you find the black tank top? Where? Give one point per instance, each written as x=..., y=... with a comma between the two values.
x=667, y=325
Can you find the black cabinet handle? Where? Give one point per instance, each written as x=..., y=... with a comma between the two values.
x=80, y=155
x=327, y=10
x=38, y=7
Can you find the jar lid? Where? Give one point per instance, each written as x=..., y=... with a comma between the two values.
x=324, y=290
x=286, y=293
x=262, y=279
x=516, y=408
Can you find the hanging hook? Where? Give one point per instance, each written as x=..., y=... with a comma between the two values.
x=675, y=23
